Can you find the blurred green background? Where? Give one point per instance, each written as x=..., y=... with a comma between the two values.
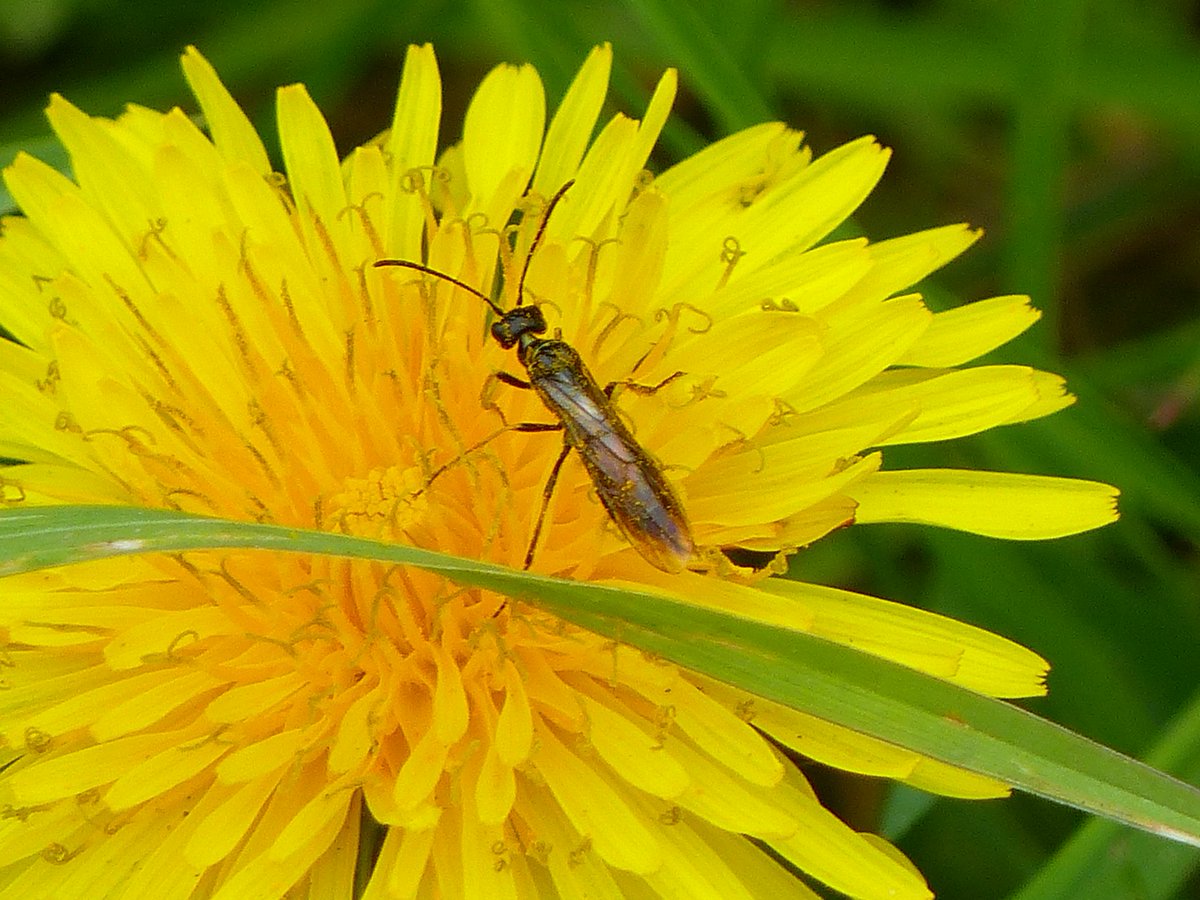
x=1069, y=130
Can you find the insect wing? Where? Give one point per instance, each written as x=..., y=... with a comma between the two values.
x=629, y=483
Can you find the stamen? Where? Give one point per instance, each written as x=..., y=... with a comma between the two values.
x=49, y=384
x=364, y=220
x=731, y=252
x=240, y=340
x=155, y=233
x=619, y=316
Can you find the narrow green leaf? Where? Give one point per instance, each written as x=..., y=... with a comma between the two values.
x=1100, y=862
x=1050, y=43
x=828, y=680
x=705, y=62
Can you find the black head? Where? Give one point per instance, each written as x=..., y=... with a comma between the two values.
x=517, y=322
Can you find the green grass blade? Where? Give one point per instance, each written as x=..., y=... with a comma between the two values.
x=694, y=42
x=1101, y=862
x=828, y=680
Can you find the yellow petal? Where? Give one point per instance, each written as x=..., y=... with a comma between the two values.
x=633, y=753
x=314, y=176
x=260, y=873
x=79, y=709
x=25, y=308
x=639, y=255
x=419, y=773
x=450, y=710
x=514, y=727
x=412, y=146
x=575, y=869
x=827, y=192
x=260, y=758
x=729, y=802
x=939, y=645
x=901, y=262
x=354, y=738
x=157, y=635
x=232, y=132
x=774, y=352
x=950, y=781
x=160, y=773
x=487, y=868
x=725, y=737
x=848, y=862
x=771, y=494
x=958, y=335
x=996, y=504
x=759, y=872
x=807, y=282
x=948, y=404
x=81, y=770
x=226, y=817
x=860, y=344
x=333, y=874
x=174, y=690
x=404, y=860
x=113, y=179
x=316, y=815
x=247, y=701
x=573, y=122
x=501, y=137
x=713, y=170
x=620, y=836
x=587, y=210
x=653, y=121
x=495, y=790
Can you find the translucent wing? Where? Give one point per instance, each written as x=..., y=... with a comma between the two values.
x=630, y=484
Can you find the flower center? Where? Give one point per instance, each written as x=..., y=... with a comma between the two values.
x=385, y=505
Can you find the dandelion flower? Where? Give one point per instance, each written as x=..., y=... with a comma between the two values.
x=195, y=331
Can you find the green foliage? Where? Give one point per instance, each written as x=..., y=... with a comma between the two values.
x=1070, y=130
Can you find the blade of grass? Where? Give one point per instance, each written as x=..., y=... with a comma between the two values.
x=705, y=62
x=832, y=681
x=1050, y=45
x=847, y=55
x=1101, y=861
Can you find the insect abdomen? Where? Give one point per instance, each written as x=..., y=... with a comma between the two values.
x=630, y=484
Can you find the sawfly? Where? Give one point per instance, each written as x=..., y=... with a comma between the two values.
x=630, y=484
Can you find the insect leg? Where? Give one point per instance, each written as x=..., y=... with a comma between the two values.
x=514, y=381
x=641, y=388
x=479, y=445
x=547, y=491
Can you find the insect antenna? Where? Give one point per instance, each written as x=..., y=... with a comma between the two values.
x=537, y=239
x=420, y=267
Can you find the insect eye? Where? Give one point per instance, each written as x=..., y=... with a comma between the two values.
x=535, y=321
x=503, y=334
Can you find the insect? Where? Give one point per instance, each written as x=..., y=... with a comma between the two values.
x=630, y=484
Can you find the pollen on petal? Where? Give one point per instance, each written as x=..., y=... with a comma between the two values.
x=634, y=753
x=225, y=819
x=620, y=836
x=160, y=773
